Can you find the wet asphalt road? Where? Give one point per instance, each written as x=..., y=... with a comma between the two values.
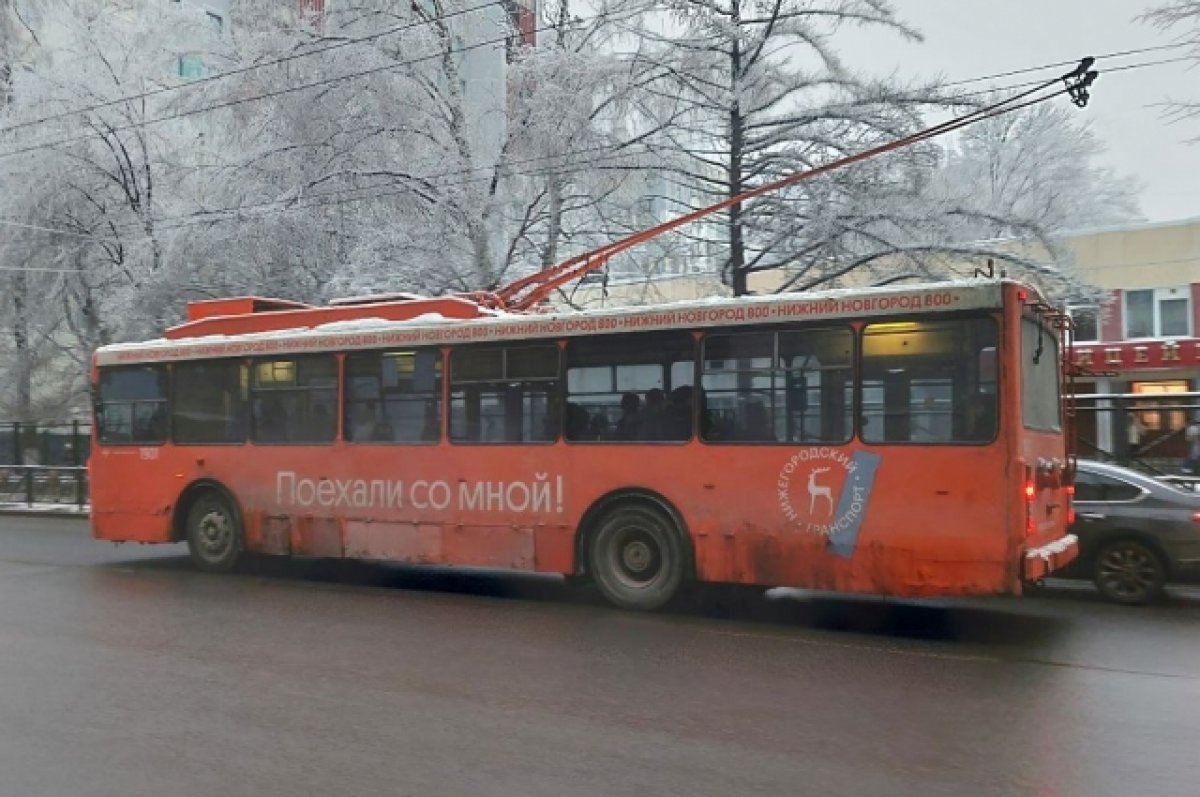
x=124, y=672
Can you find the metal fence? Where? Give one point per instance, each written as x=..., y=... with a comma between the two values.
x=1139, y=430
x=44, y=463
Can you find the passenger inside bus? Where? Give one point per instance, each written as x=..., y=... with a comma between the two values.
x=366, y=422
x=629, y=424
x=757, y=423
x=597, y=428
x=679, y=414
x=653, y=415
x=270, y=421
x=577, y=422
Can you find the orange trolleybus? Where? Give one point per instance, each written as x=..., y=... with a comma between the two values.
x=895, y=441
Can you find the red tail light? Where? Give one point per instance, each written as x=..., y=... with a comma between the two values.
x=1030, y=493
x=1196, y=517
x=1071, y=505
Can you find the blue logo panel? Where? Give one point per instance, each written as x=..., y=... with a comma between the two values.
x=852, y=505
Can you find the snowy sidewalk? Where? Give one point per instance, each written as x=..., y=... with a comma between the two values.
x=62, y=510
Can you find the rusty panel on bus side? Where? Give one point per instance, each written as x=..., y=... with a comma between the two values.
x=400, y=542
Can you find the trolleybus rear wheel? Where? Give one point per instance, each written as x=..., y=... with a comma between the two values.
x=637, y=557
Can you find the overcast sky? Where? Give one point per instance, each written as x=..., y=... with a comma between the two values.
x=972, y=38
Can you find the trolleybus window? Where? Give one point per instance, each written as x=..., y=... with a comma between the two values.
x=394, y=397
x=1040, y=401
x=504, y=395
x=132, y=405
x=630, y=387
x=295, y=400
x=784, y=386
x=929, y=382
x=209, y=401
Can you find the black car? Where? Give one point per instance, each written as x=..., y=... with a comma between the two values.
x=1135, y=533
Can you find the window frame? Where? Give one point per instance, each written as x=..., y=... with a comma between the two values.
x=247, y=410
x=294, y=357
x=439, y=394
x=998, y=322
x=565, y=393
x=1094, y=309
x=98, y=403
x=1157, y=297
x=1142, y=492
x=1059, y=424
x=556, y=403
x=775, y=330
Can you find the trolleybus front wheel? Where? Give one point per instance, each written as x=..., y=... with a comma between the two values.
x=637, y=557
x=214, y=534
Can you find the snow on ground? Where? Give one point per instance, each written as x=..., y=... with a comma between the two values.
x=71, y=509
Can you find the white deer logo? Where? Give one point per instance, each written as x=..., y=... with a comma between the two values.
x=816, y=491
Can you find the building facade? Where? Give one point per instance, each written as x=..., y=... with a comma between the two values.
x=1139, y=343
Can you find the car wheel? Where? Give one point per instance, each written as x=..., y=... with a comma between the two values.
x=637, y=557
x=214, y=534
x=1129, y=572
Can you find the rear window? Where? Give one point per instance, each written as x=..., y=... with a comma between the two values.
x=929, y=381
x=1041, y=406
x=1094, y=487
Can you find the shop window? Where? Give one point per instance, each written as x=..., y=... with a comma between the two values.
x=1154, y=419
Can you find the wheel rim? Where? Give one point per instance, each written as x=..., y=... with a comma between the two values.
x=1128, y=572
x=638, y=560
x=214, y=534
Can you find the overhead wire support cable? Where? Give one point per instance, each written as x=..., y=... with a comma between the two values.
x=529, y=291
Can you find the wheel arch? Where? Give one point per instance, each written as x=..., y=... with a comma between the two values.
x=597, y=509
x=190, y=494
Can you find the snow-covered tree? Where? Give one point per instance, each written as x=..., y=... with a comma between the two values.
x=87, y=186
x=767, y=95
x=1036, y=167
x=1181, y=18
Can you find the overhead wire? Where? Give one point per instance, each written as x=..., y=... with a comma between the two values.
x=199, y=215
x=1060, y=64
x=528, y=291
x=291, y=204
x=399, y=64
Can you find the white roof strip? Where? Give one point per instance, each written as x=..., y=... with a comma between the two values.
x=431, y=329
